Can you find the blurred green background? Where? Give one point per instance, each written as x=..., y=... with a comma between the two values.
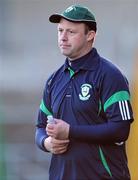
x=29, y=53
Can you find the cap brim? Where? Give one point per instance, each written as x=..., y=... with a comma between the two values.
x=55, y=18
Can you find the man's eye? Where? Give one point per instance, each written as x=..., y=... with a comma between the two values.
x=71, y=32
x=60, y=30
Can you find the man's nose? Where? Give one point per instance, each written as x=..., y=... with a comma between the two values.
x=64, y=36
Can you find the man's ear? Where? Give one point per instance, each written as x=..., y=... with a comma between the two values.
x=91, y=35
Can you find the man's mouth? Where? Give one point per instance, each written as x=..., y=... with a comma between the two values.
x=64, y=46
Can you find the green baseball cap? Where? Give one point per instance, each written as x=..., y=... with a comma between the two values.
x=75, y=13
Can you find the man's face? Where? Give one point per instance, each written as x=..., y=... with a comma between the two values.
x=72, y=39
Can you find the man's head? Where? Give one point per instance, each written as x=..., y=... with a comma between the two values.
x=76, y=31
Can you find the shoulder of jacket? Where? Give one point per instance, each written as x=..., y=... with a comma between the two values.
x=55, y=75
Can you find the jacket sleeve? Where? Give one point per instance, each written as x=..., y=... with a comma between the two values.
x=115, y=108
x=44, y=110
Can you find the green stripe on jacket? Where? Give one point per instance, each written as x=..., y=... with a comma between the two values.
x=44, y=108
x=118, y=96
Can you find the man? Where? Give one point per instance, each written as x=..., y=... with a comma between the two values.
x=90, y=102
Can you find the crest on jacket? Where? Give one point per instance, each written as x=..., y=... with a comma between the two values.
x=85, y=92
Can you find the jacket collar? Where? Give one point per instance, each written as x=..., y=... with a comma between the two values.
x=91, y=61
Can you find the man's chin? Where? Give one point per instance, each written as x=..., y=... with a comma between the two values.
x=65, y=53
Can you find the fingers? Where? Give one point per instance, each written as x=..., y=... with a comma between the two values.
x=52, y=134
x=60, y=130
x=59, y=150
x=59, y=143
x=59, y=146
x=50, y=130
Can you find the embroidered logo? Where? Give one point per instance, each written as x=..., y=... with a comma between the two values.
x=85, y=89
x=70, y=9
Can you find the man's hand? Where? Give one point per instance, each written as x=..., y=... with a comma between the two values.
x=56, y=146
x=59, y=130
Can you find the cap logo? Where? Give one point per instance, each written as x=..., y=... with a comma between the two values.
x=70, y=9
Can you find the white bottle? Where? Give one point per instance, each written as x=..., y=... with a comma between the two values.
x=50, y=119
